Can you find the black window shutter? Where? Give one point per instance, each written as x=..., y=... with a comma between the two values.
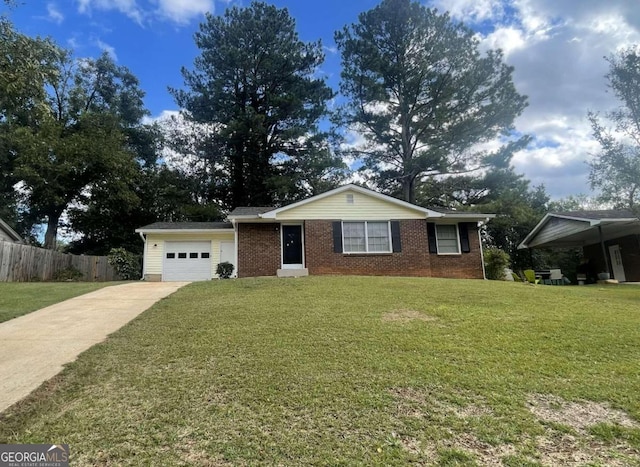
x=463, y=228
x=395, y=237
x=431, y=233
x=337, y=237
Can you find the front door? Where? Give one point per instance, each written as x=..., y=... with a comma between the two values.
x=292, y=247
x=616, y=263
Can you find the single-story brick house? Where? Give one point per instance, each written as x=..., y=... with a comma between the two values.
x=348, y=230
x=610, y=239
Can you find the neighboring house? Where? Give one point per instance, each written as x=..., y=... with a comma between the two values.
x=610, y=239
x=348, y=230
x=7, y=234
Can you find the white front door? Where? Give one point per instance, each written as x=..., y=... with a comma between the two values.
x=616, y=263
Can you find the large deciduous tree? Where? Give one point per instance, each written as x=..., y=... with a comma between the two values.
x=423, y=96
x=615, y=170
x=255, y=85
x=82, y=141
x=26, y=64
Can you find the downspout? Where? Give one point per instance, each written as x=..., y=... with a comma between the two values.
x=235, y=245
x=484, y=272
x=607, y=263
x=144, y=255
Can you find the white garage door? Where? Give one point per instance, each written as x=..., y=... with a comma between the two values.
x=186, y=261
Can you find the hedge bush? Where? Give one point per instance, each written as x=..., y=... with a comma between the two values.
x=224, y=270
x=128, y=265
x=496, y=261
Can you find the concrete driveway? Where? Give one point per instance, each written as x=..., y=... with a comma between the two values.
x=34, y=347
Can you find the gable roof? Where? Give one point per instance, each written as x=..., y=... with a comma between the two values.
x=272, y=213
x=358, y=189
x=6, y=228
x=178, y=226
x=596, y=215
x=581, y=228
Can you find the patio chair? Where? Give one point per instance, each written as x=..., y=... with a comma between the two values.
x=556, y=277
x=530, y=275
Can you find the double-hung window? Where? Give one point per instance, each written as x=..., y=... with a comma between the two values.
x=447, y=239
x=366, y=237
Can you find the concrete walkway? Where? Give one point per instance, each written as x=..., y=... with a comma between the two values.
x=34, y=347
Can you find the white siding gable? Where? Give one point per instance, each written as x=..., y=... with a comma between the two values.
x=350, y=205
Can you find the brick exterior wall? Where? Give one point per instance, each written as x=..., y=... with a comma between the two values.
x=258, y=249
x=259, y=253
x=629, y=249
x=464, y=266
x=413, y=260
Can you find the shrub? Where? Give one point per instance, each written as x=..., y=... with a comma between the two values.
x=496, y=261
x=126, y=264
x=67, y=274
x=224, y=270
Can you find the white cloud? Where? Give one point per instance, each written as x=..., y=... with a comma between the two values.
x=141, y=11
x=54, y=14
x=182, y=11
x=471, y=10
x=556, y=49
x=107, y=48
x=129, y=8
x=507, y=38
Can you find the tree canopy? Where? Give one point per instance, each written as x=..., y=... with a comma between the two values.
x=78, y=142
x=615, y=170
x=254, y=85
x=423, y=96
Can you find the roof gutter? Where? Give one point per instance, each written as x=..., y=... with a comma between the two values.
x=159, y=231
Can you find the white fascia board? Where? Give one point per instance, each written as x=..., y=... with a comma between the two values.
x=252, y=220
x=365, y=191
x=595, y=221
x=244, y=217
x=156, y=231
x=472, y=216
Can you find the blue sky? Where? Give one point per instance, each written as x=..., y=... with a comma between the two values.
x=556, y=48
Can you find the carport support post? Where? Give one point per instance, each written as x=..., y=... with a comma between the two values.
x=607, y=263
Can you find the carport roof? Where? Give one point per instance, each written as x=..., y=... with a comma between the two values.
x=580, y=228
x=201, y=226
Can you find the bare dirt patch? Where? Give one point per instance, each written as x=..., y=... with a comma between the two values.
x=571, y=450
x=425, y=402
x=484, y=453
x=578, y=415
x=404, y=316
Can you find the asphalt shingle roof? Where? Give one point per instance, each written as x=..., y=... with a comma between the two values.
x=599, y=214
x=250, y=211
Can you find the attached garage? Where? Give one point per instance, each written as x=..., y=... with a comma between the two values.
x=186, y=261
x=186, y=251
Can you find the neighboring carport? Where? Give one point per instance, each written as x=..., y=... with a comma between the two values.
x=609, y=238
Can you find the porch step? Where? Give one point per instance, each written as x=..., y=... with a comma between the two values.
x=293, y=272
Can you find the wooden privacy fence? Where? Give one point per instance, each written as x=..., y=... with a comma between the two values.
x=24, y=263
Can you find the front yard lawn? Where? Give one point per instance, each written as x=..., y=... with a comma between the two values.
x=354, y=371
x=20, y=298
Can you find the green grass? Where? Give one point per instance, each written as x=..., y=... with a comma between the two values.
x=314, y=371
x=20, y=298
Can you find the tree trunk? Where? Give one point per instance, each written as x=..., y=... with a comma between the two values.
x=51, y=234
x=409, y=189
x=238, y=190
